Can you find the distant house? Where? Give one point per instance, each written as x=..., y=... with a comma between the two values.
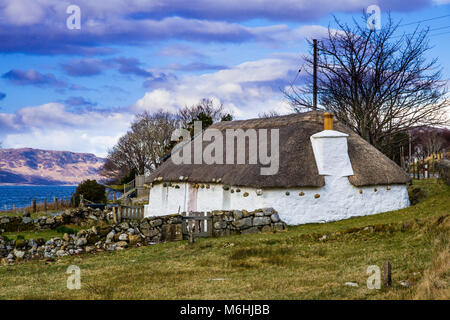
x=324, y=175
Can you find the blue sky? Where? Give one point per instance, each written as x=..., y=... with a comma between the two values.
x=78, y=90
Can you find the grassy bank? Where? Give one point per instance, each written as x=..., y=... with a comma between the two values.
x=297, y=264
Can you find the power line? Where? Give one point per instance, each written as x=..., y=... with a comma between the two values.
x=420, y=21
x=410, y=34
x=438, y=34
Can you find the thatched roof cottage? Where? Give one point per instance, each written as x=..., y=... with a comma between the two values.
x=323, y=174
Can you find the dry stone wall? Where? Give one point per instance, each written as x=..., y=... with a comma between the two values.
x=112, y=237
x=73, y=216
x=245, y=222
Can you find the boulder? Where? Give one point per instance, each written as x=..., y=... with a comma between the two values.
x=124, y=226
x=4, y=220
x=261, y=221
x=268, y=211
x=19, y=254
x=275, y=217
x=150, y=232
x=134, y=239
x=220, y=225
x=123, y=237
x=89, y=249
x=156, y=222
x=121, y=244
x=66, y=237
x=81, y=242
x=237, y=214
x=110, y=235
x=243, y=223
x=61, y=253
x=27, y=220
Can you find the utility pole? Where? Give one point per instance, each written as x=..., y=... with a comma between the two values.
x=315, y=76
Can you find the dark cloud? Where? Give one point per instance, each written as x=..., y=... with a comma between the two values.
x=131, y=66
x=79, y=101
x=197, y=66
x=32, y=77
x=160, y=80
x=2, y=95
x=85, y=67
x=40, y=29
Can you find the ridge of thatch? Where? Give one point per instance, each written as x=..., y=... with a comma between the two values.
x=297, y=166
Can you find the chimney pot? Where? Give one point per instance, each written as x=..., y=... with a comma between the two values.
x=327, y=121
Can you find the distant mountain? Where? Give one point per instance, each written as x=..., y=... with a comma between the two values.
x=45, y=167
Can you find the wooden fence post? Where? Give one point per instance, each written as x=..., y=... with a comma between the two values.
x=114, y=215
x=81, y=201
x=387, y=275
x=34, y=206
x=119, y=213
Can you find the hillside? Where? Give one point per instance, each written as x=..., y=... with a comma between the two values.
x=298, y=264
x=44, y=167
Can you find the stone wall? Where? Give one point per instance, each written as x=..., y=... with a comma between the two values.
x=73, y=216
x=96, y=239
x=245, y=222
x=113, y=237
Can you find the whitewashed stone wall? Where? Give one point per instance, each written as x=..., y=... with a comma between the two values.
x=338, y=199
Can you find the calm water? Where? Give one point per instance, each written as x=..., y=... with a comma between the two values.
x=22, y=196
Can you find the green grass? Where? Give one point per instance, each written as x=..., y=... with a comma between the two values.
x=18, y=213
x=285, y=265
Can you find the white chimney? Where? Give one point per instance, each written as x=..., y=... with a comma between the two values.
x=331, y=151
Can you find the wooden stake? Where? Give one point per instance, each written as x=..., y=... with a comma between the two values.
x=387, y=275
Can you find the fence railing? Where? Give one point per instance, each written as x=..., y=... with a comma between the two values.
x=128, y=213
x=197, y=223
x=129, y=186
x=423, y=169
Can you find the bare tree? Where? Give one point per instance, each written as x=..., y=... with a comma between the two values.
x=376, y=83
x=142, y=146
x=268, y=114
x=206, y=111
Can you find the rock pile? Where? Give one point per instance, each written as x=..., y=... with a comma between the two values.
x=112, y=237
x=69, y=216
x=96, y=239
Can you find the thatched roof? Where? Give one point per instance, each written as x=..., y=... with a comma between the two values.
x=297, y=166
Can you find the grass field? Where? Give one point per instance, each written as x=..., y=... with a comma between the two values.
x=295, y=264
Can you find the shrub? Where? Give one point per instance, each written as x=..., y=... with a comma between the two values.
x=91, y=190
x=64, y=229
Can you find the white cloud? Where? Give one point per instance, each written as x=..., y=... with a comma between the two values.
x=246, y=89
x=52, y=126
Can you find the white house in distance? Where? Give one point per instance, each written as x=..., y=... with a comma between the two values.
x=324, y=174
